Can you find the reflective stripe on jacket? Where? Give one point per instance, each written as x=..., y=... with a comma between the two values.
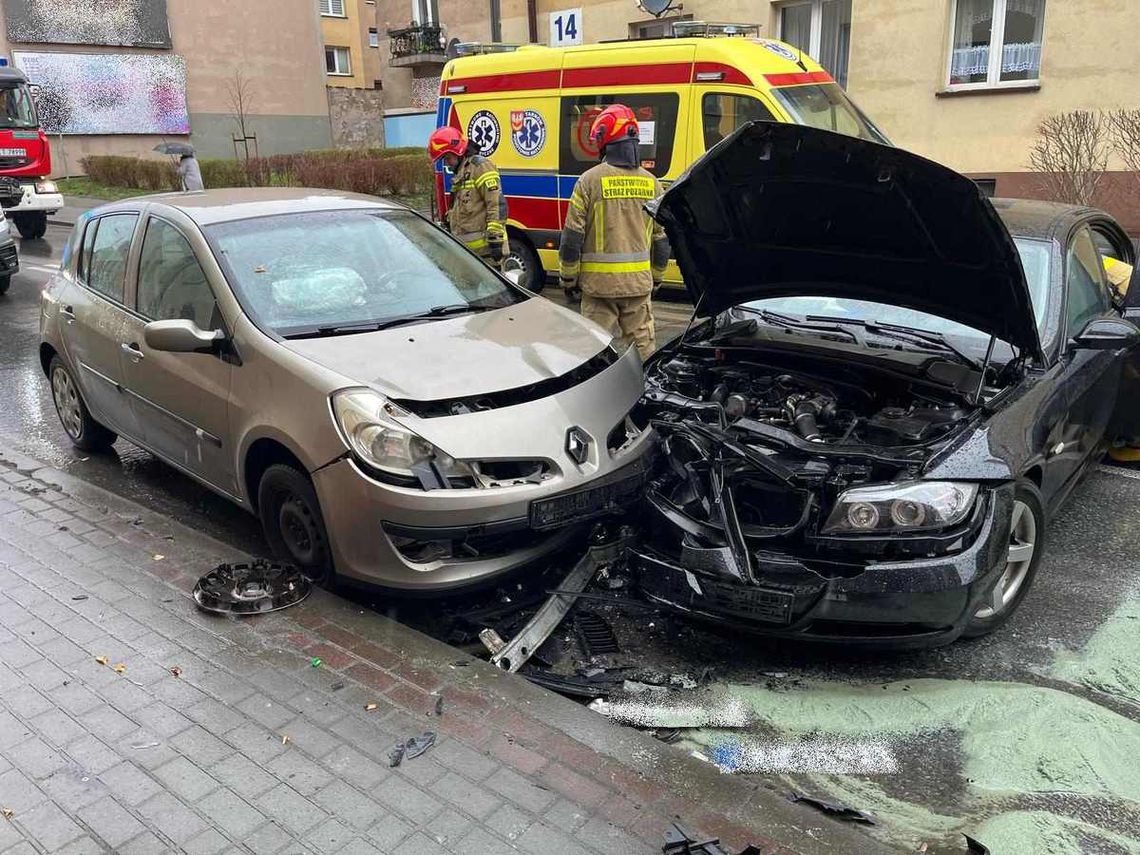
x=478, y=211
x=609, y=244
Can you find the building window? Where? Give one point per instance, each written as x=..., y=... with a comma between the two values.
x=425, y=12
x=373, y=37
x=337, y=61
x=822, y=29
x=333, y=8
x=655, y=29
x=996, y=43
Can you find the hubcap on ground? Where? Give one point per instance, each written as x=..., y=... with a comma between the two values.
x=1022, y=544
x=299, y=530
x=67, y=405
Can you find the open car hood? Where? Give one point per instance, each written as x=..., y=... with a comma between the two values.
x=778, y=210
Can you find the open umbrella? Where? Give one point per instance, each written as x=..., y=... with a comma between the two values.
x=179, y=149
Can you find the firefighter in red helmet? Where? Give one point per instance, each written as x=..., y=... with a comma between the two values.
x=477, y=214
x=612, y=254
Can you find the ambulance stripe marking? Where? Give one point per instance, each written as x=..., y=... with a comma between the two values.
x=627, y=75
x=799, y=77
x=502, y=82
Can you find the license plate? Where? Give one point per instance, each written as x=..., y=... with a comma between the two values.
x=13, y=152
x=585, y=504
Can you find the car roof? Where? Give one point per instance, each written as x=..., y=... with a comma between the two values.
x=1029, y=218
x=208, y=207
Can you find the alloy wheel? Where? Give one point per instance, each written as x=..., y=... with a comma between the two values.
x=1019, y=558
x=67, y=403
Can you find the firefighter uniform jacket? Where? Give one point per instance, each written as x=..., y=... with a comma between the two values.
x=610, y=245
x=478, y=211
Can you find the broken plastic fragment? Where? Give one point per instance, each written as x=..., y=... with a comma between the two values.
x=8, y=813
x=176, y=671
x=396, y=755
x=439, y=705
x=316, y=662
x=119, y=668
x=371, y=707
x=417, y=745
x=102, y=660
x=158, y=557
x=834, y=809
x=284, y=739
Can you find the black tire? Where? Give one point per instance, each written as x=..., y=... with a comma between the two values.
x=1028, y=511
x=31, y=226
x=534, y=276
x=5, y=282
x=291, y=519
x=85, y=433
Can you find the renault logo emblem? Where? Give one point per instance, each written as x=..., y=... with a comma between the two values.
x=577, y=445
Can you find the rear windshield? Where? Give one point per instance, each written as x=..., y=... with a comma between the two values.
x=826, y=106
x=16, y=108
x=297, y=273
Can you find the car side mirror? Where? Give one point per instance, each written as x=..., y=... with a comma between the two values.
x=1108, y=334
x=181, y=336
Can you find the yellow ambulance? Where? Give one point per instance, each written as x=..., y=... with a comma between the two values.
x=530, y=109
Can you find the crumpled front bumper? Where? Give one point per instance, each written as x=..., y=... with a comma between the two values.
x=921, y=602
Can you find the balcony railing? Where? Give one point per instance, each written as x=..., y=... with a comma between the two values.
x=417, y=43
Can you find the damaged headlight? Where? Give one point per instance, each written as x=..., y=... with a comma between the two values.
x=365, y=420
x=911, y=506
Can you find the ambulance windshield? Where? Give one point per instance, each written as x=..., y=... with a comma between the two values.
x=826, y=106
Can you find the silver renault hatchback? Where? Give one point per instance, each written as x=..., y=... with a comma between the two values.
x=394, y=411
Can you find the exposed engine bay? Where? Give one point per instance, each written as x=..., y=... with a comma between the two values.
x=758, y=447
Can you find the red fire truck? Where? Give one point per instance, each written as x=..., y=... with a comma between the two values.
x=27, y=194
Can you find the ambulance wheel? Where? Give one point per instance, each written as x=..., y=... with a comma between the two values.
x=31, y=226
x=523, y=256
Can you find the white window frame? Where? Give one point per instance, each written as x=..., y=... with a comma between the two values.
x=373, y=37
x=997, y=37
x=815, y=31
x=347, y=60
x=329, y=7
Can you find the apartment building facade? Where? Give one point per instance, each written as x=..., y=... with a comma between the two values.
x=122, y=76
x=965, y=82
x=351, y=49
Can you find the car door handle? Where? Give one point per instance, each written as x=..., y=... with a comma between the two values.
x=67, y=313
x=132, y=350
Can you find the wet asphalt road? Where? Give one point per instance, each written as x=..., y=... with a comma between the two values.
x=1016, y=736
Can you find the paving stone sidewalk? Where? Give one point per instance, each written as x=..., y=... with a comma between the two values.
x=252, y=749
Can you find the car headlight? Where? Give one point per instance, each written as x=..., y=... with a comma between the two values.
x=47, y=187
x=365, y=420
x=903, y=506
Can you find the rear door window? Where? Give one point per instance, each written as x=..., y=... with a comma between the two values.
x=722, y=113
x=107, y=270
x=656, y=115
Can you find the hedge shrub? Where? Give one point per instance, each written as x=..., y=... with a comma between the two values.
x=378, y=172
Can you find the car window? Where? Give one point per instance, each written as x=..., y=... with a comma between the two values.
x=656, y=116
x=172, y=284
x=827, y=107
x=722, y=113
x=107, y=267
x=1086, y=292
x=85, y=255
x=300, y=273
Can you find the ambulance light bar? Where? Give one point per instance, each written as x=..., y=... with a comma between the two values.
x=691, y=29
x=479, y=48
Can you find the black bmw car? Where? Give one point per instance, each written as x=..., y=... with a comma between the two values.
x=890, y=387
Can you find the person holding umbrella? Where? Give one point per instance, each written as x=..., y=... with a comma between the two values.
x=188, y=169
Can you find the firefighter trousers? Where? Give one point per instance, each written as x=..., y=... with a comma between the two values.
x=629, y=317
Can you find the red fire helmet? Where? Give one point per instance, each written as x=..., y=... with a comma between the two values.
x=446, y=140
x=616, y=122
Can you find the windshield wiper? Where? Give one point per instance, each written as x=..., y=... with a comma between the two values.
x=375, y=326
x=904, y=333
x=779, y=319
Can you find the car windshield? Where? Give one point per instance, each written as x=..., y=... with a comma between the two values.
x=329, y=270
x=1034, y=260
x=16, y=108
x=826, y=106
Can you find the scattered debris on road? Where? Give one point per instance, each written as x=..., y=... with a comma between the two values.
x=833, y=808
x=176, y=671
x=254, y=588
x=7, y=813
x=316, y=662
x=371, y=707
x=102, y=660
x=120, y=668
x=410, y=748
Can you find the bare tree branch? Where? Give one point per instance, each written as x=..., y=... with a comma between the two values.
x=240, y=97
x=1124, y=126
x=1070, y=155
